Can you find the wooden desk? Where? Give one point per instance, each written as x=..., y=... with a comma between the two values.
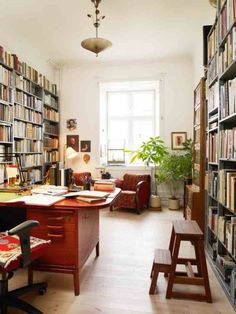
x=73, y=228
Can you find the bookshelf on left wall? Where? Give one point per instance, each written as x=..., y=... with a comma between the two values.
x=29, y=117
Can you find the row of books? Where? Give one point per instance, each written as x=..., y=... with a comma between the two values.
x=227, y=188
x=228, y=98
x=51, y=114
x=227, y=232
x=27, y=100
x=59, y=177
x=213, y=144
x=52, y=88
x=6, y=113
x=228, y=143
x=28, y=130
x=213, y=97
x=227, y=17
x=51, y=101
x=33, y=176
x=213, y=183
x=212, y=43
x=31, y=160
x=27, y=86
x=51, y=156
x=212, y=70
x=228, y=54
x=213, y=125
x=6, y=76
x=6, y=58
x=51, y=142
x=51, y=128
x=6, y=94
x=213, y=218
x=21, y=112
x=28, y=146
x=5, y=150
x=5, y=133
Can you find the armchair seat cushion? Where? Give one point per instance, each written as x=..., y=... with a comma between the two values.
x=10, y=251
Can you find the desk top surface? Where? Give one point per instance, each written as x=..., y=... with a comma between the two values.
x=69, y=203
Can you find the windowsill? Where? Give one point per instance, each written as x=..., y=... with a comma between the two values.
x=127, y=167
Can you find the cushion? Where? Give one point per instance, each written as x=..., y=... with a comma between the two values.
x=10, y=251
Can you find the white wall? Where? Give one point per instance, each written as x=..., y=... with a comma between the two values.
x=80, y=99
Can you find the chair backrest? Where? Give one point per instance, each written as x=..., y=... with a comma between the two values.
x=80, y=177
x=131, y=180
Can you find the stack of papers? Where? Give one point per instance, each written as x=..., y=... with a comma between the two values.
x=50, y=190
x=37, y=199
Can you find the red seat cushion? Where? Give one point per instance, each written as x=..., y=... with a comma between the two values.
x=10, y=251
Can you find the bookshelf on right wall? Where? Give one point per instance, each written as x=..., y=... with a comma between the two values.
x=221, y=147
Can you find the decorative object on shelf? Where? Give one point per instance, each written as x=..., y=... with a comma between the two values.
x=73, y=142
x=177, y=140
x=96, y=44
x=85, y=146
x=213, y=3
x=86, y=158
x=71, y=124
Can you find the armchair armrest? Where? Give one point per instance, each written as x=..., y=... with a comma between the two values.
x=119, y=183
x=23, y=232
x=142, y=193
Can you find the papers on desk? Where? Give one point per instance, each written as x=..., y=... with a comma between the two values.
x=52, y=190
x=93, y=194
x=37, y=199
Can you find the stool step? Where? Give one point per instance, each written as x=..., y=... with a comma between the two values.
x=162, y=257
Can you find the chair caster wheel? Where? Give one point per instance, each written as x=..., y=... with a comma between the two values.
x=42, y=291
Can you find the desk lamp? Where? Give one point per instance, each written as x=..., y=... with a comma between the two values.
x=70, y=153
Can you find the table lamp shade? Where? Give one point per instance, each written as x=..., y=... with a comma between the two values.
x=70, y=153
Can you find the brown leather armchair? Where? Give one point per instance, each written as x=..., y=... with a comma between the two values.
x=136, y=190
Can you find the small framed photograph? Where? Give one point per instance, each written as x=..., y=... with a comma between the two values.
x=85, y=146
x=71, y=124
x=177, y=140
x=73, y=141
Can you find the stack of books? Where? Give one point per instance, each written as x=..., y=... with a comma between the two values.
x=104, y=185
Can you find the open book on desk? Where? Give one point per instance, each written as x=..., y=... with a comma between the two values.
x=93, y=194
x=37, y=199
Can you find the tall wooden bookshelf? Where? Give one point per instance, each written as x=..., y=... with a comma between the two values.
x=194, y=193
x=24, y=95
x=221, y=146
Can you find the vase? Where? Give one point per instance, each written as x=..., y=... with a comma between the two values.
x=155, y=202
x=173, y=203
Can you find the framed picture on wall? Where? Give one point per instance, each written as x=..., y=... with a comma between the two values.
x=85, y=146
x=177, y=140
x=73, y=141
x=71, y=124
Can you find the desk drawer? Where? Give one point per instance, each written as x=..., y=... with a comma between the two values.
x=59, y=227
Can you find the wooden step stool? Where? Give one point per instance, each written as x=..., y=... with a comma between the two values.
x=183, y=230
x=161, y=264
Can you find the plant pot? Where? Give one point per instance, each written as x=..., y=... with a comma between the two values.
x=155, y=202
x=173, y=203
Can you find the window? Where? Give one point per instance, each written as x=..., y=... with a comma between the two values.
x=129, y=116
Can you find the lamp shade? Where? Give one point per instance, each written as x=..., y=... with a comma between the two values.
x=96, y=44
x=70, y=153
x=213, y=3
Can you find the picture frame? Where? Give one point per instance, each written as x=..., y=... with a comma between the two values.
x=85, y=146
x=177, y=140
x=71, y=124
x=73, y=141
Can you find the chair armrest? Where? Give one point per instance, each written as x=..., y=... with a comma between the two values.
x=142, y=193
x=119, y=183
x=23, y=232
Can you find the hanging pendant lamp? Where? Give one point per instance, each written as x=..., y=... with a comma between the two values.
x=96, y=44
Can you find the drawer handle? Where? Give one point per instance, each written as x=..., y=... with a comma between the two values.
x=55, y=236
x=55, y=218
x=55, y=227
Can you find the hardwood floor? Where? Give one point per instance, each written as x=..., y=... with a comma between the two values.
x=118, y=281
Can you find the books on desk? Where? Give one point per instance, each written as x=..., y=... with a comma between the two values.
x=104, y=185
x=91, y=200
x=93, y=194
x=37, y=199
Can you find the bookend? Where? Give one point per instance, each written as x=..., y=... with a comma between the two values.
x=10, y=298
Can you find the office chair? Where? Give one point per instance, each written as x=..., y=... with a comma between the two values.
x=29, y=251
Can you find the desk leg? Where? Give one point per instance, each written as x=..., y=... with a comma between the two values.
x=97, y=249
x=76, y=282
x=173, y=267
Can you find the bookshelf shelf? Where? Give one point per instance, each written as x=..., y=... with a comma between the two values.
x=28, y=93
x=212, y=82
x=221, y=175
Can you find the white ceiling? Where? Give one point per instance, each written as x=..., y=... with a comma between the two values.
x=139, y=29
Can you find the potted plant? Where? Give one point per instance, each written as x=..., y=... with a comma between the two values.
x=151, y=152
x=172, y=171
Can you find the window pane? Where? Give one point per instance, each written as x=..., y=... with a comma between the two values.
x=117, y=130
x=143, y=103
x=118, y=104
x=142, y=130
